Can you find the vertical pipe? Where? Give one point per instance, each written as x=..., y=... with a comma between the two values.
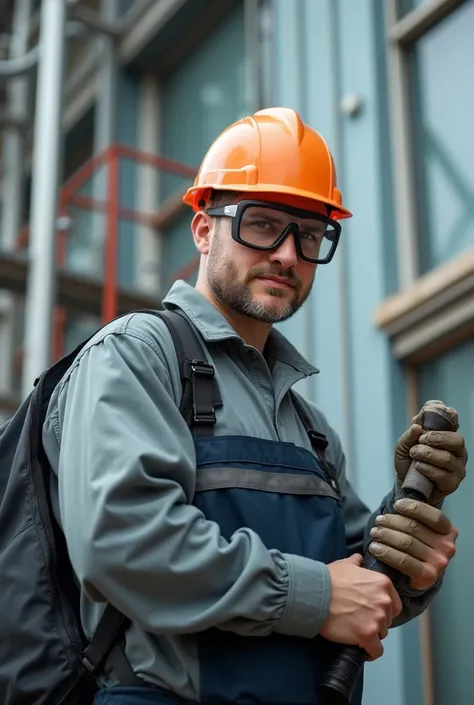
x=109, y=300
x=45, y=180
x=105, y=125
x=104, y=136
x=60, y=312
x=14, y=139
x=267, y=47
x=345, y=338
x=12, y=196
x=252, y=55
x=405, y=187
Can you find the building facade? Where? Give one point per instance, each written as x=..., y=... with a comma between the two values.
x=390, y=322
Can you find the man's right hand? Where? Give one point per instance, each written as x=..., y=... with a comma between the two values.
x=363, y=606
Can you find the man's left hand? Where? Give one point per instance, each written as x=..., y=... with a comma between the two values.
x=419, y=541
x=440, y=455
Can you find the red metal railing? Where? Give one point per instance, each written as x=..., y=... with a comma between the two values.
x=114, y=212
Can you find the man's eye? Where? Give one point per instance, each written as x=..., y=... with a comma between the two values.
x=308, y=235
x=263, y=224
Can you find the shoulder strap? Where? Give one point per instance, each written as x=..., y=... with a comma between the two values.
x=199, y=400
x=318, y=441
x=201, y=394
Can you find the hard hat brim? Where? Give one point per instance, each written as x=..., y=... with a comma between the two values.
x=195, y=193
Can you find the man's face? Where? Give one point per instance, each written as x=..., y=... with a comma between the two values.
x=269, y=286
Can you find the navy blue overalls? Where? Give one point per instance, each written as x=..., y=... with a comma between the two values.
x=288, y=496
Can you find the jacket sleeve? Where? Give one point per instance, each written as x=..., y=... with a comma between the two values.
x=126, y=476
x=359, y=520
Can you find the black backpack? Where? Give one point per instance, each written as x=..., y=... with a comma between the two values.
x=45, y=658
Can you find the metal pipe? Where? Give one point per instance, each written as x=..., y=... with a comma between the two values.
x=344, y=318
x=107, y=184
x=45, y=180
x=252, y=55
x=109, y=294
x=14, y=139
x=13, y=191
x=17, y=67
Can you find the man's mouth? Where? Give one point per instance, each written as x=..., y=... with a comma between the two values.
x=277, y=282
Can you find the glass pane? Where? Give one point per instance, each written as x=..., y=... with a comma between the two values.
x=124, y=6
x=85, y=243
x=206, y=93
x=452, y=614
x=201, y=98
x=178, y=253
x=443, y=103
x=77, y=329
x=409, y=5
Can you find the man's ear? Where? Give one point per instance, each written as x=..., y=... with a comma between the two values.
x=201, y=230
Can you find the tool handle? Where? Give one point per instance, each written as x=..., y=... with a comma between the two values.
x=416, y=484
x=341, y=678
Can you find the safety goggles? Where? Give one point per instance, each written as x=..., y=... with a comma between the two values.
x=263, y=226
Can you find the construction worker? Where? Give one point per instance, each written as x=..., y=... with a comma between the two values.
x=236, y=554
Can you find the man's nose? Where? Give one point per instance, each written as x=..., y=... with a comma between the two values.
x=286, y=254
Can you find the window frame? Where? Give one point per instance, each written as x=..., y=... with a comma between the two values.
x=434, y=311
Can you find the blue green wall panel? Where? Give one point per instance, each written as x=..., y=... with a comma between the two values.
x=452, y=615
x=324, y=50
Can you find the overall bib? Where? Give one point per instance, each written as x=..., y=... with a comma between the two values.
x=280, y=491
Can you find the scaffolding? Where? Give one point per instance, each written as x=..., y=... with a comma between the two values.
x=34, y=261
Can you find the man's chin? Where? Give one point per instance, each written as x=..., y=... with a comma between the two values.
x=273, y=309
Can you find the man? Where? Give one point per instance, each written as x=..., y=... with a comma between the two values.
x=236, y=588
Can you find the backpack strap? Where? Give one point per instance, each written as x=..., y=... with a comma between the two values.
x=319, y=443
x=108, y=646
x=199, y=400
x=201, y=394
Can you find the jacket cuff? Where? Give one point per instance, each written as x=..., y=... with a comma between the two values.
x=308, y=598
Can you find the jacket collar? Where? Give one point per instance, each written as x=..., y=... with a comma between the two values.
x=214, y=327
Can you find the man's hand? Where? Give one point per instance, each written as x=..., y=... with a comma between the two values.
x=363, y=606
x=419, y=541
x=440, y=455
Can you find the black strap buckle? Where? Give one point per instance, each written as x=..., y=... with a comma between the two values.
x=318, y=440
x=203, y=408
x=199, y=367
x=90, y=667
x=203, y=417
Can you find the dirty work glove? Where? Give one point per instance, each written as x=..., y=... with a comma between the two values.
x=440, y=455
x=419, y=541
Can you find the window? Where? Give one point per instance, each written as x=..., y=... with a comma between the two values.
x=78, y=328
x=200, y=99
x=443, y=104
x=452, y=613
x=431, y=55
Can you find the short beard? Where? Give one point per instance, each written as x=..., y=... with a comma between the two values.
x=222, y=278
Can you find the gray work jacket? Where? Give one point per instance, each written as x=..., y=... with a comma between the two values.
x=126, y=469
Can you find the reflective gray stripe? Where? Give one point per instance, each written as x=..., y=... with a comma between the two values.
x=282, y=483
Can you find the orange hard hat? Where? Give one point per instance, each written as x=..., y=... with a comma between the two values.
x=271, y=152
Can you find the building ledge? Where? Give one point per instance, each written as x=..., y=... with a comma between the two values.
x=75, y=292
x=434, y=314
